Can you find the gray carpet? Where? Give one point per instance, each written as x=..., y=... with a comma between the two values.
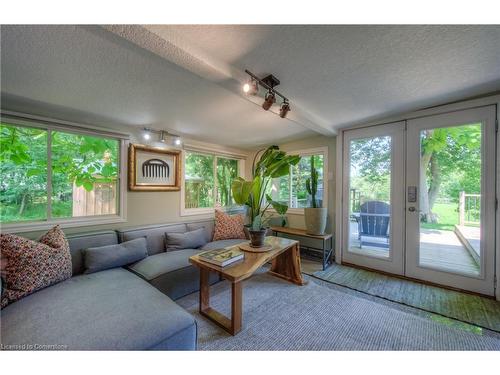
x=321, y=316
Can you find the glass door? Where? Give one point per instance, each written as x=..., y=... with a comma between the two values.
x=450, y=199
x=373, y=213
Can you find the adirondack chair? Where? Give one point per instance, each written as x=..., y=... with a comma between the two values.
x=373, y=221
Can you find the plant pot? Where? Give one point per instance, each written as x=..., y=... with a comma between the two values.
x=257, y=237
x=315, y=220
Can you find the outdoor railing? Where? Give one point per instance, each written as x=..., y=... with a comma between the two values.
x=469, y=208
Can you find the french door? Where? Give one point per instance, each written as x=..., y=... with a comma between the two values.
x=450, y=232
x=374, y=216
x=419, y=198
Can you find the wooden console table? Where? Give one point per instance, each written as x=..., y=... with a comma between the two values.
x=285, y=257
x=327, y=241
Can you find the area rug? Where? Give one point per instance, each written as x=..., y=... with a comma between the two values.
x=468, y=308
x=320, y=316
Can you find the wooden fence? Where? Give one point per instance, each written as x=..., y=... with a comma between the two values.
x=101, y=200
x=469, y=208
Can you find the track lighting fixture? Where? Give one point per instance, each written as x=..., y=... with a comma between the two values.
x=285, y=108
x=251, y=87
x=269, y=82
x=164, y=136
x=269, y=101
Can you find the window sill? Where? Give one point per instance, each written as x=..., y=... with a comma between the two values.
x=211, y=211
x=64, y=223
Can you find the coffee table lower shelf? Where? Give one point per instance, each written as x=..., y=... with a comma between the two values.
x=285, y=265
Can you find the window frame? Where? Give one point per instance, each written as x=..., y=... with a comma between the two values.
x=216, y=154
x=50, y=125
x=308, y=152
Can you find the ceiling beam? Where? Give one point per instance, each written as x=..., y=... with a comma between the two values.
x=173, y=47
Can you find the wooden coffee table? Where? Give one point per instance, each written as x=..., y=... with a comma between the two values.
x=285, y=257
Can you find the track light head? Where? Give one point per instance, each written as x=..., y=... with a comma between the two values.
x=269, y=101
x=146, y=134
x=285, y=108
x=251, y=87
x=164, y=137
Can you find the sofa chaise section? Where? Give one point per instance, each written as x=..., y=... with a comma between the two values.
x=107, y=310
x=170, y=271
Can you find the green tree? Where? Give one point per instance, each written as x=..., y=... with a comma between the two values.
x=76, y=159
x=450, y=162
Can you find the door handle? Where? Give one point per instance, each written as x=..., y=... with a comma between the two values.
x=412, y=209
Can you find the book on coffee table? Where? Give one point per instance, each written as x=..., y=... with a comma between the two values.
x=222, y=257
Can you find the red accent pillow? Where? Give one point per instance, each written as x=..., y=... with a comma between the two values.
x=29, y=265
x=228, y=227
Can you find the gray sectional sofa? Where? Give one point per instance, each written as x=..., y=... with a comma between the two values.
x=125, y=308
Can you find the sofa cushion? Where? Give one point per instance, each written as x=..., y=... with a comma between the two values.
x=112, y=256
x=108, y=310
x=207, y=225
x=32, y=265
x=221, y=244
x=155, y=235
x=228, y=226
x=171, y=273
x=187, y=240
x=158, y=264
x=79, y=242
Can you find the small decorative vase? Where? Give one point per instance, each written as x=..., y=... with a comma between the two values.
x=257, y=237
x=315, y=220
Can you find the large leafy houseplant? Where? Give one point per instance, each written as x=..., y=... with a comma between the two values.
x=273, y=163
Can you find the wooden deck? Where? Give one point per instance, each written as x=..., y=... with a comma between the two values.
x=438, y=249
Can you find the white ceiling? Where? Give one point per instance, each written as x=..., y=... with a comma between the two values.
x=187, y=78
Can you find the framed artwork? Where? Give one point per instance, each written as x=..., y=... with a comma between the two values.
x=153, y=169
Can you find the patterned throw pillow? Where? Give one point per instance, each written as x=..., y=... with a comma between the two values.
x=30, y=265
x=228, y=227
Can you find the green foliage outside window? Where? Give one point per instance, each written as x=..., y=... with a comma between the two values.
x=206, y=187
x=199, y=180
x=81, y=160
x=450, y=158
x=299, y=173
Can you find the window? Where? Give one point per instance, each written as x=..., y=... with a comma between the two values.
x=292, y=190
x=207, y=181
x=57, y=176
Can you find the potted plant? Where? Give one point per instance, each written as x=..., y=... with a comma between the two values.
x=315, y=216
x=273, y=163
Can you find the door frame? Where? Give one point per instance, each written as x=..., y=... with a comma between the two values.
x=439, y=109
x=395, y=262
x=483, y=283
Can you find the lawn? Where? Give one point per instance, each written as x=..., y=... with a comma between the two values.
x=35, y=211
x=447, y=216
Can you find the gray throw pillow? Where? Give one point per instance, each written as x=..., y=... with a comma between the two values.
x=188, y=240
x=112, y=256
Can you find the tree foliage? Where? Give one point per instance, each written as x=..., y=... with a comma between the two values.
x=79, y=159
x=450, y=162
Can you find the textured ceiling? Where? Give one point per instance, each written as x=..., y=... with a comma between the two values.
x=187, y=77
x=350, y=74
x=85, y=73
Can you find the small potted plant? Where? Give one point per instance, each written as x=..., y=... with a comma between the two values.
x=273, y=163
x=315, y=216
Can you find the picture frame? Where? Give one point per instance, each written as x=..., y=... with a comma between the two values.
x=153, y=169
